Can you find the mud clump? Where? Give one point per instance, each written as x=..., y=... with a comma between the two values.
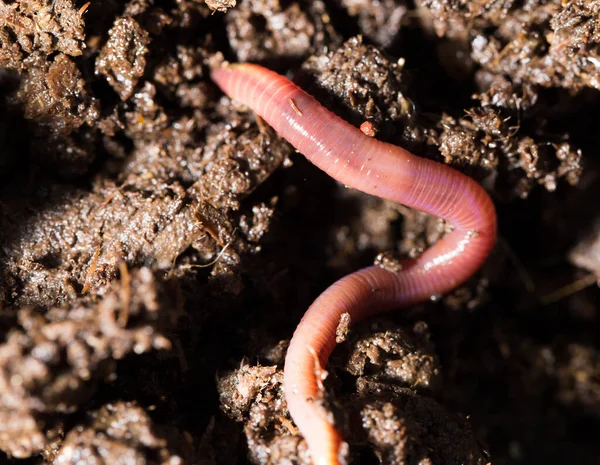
x=397, y=357
x=267, y=29
x=414, y=429
x=55, y=361
x=30, y=27
x=122, y=60
x=254, y=395
x=117, y=432
x=368, y=85
x=55, y=96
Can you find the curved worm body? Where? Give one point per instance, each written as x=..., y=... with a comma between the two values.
x=376, y=168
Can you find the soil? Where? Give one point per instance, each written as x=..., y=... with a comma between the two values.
x=159, y=243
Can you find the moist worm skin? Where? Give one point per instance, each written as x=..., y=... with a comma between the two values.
x=379, y=169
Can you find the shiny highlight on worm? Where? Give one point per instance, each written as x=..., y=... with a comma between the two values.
x=379, y=169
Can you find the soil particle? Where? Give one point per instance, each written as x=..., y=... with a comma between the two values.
x=80, y=241
x=123, y=59
x=368, y=86
x=179, y=75
x=551, y=44
x=379, y=21
x=238, y=159
x=389, y=262
x=368, y=129
x=117, y=433
x=343, y=328
x=54, y=362
x=500, y=91
x=484, y=138
x=256, y=226
x=20, y=434
x=221, y=5
x=412, y=429
x=240, y=389
x=56, y=99
x=254, y=395
x=39, y=27
x=267, y=29
x=396, y=357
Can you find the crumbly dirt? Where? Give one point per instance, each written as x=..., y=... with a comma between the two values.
x=121, y=432
x=159, y=243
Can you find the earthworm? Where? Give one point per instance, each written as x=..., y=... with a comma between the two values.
x=377, y=168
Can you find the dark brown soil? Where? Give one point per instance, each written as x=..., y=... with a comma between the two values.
x=158, y=244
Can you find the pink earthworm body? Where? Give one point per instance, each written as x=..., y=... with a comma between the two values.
x=376, y=168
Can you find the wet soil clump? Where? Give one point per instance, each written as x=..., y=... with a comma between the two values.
x=159, y=242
